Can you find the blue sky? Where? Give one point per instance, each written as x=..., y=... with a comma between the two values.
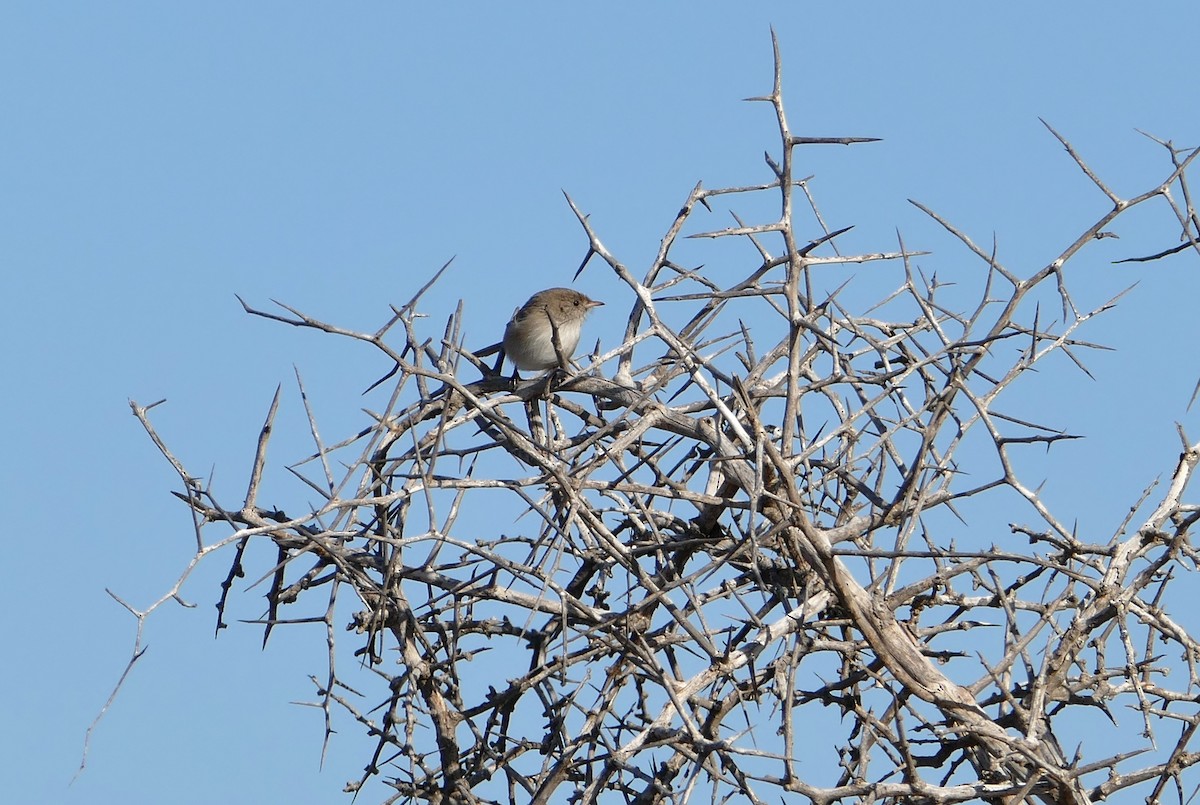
x=158, y=159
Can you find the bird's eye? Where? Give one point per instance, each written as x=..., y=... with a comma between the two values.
x=576, y=303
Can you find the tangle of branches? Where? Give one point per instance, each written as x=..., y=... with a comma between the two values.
x=718, y=560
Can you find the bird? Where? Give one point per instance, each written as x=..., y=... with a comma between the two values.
x=530, y=335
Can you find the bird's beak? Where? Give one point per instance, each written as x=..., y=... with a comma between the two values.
x=593, y=303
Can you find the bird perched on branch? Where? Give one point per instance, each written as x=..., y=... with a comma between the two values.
x=550, y=316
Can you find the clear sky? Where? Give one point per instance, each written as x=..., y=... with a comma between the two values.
x=157, y=158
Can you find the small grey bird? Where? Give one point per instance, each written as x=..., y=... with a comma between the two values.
x=529, y=336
